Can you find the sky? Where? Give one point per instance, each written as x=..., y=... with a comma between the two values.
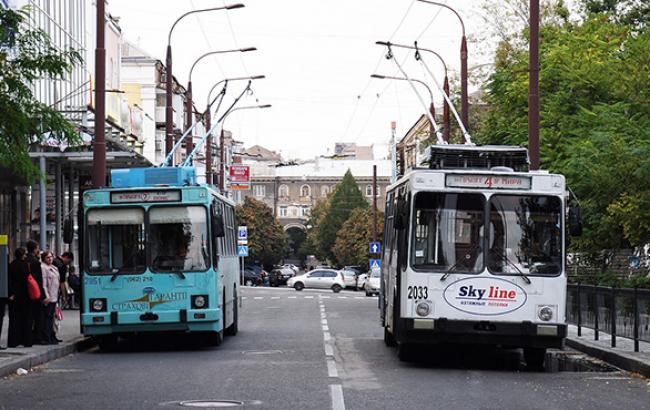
x=317, y=56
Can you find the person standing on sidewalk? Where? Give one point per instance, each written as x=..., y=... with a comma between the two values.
x=51, y=286
x=21, y=312
x=62, y=263
x=34, y=262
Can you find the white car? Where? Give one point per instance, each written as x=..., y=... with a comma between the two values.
x=319, y=279
x=350, y=278
x=291, y=266
x=371, y=285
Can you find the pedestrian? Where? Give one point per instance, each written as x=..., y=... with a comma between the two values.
x=62, y=263
x=51, y=277
x=34, y=266
x=21, y=311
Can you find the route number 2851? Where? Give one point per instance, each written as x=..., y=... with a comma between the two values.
x=417, y=292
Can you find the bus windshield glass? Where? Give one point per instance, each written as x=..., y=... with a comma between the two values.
x=525, y=235
x=448, y=232
x=116, y=241
x=178, y=237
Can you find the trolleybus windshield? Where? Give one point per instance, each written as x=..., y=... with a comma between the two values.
x=448, y=232
x=525, y=235
x=116, y=241
x=178, y=237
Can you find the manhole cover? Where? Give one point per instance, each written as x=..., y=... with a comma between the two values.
x=211, y=404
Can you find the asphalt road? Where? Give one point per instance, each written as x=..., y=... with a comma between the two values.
x=311, y=350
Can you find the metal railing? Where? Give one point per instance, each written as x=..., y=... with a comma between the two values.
x=623, y=312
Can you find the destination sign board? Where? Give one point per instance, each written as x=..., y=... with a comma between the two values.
x=145, y=196
x=488, y=181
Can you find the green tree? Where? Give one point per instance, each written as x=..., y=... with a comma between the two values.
x=311, y=245
x=26, y=56
x=267, y=241
x=345, y=198
x=595, y=119
x=354, y=237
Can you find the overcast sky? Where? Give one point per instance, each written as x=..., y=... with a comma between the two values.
x=317, y=56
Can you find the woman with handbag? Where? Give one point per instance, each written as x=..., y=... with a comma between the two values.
x=21, y=312
x=51, y=286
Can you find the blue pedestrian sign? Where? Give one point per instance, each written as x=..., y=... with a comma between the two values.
x=375, y=264
x=242, y=232
x=375, y=247
x=242, y=251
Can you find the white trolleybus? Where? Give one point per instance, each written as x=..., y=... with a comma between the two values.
x=474, y=253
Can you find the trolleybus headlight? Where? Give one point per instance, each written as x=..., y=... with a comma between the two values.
x=200, y=301
x=98, y=305
x=423, y=309
x=545, y=313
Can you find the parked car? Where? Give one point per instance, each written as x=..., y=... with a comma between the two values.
x=372, y=284
x=252, y=278
x=351, y=279
x=279, y=276
x=357, y=269
x=291, y=266
x=319, y=279
x=361, y=281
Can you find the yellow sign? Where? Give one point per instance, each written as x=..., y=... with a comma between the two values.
x=4, y=240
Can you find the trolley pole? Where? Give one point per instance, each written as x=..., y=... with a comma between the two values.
x=533, y=87
x=99, y=144
x=374, y=203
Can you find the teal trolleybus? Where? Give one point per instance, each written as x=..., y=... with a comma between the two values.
x=159, y=256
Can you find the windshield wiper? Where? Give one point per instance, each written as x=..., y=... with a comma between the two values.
x=505, y=258
x=452, y=267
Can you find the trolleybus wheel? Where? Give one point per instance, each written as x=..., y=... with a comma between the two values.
x=336, y=288
x=535, y=357
x=389, y=340
x=404, y=352
x=234, y=328
x=298, y=286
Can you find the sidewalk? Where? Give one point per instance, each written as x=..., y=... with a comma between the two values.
x=623, y=355
x=26, y=358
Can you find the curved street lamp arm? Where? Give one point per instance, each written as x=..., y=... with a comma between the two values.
x=241, y=50
x=435, y=3
x=228, y=7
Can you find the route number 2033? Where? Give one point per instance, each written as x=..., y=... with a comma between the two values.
x=417, y=292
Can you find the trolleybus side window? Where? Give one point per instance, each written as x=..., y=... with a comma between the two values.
x=179, y=238
x=525, y=235
x=116, y=241
x=448, y=232
x=388, y=228
x=230, y=231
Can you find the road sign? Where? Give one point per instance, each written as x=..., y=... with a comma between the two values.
x=242, y=232
x=375, y=263
x=242, y=251
x=375, y=247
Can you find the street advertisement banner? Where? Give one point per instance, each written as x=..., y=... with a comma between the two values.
x=240, y=177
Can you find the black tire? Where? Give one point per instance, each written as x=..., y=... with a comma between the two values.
x=405, y=352
x=214, y=338
x=336, y=288
x=368, y=294
x=234, y=328
x=107, y=343
x=535, y=358
x=298, y=286
x=389, y=340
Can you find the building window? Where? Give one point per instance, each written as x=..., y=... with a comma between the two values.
x=283, y=191
x=305, y=191
x=259, y=190
x=368, y=190
x=283, y=211
x=324, y=190
x=306, y=211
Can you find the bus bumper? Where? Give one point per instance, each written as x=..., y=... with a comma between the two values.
x=506, y=334
x=156, y=321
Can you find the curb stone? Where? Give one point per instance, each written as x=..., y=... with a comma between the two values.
x=616, y=358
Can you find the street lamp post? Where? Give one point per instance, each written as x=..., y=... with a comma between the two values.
x=463, y=65
x=208, y=123
x=99, y=144
x=222, y=167
x=533, y=87
x=189, y=146
x=169, y=110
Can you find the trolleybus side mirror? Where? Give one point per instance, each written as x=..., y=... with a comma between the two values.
x=68, y=231
x=575, y=221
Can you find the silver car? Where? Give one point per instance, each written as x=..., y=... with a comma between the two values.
x=371, y=284
x=318, y=279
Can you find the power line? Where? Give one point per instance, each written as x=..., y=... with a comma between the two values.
x=234, y=37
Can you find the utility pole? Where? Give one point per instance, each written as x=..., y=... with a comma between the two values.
x=533, y=87
x=99, y=144
x=374, y=203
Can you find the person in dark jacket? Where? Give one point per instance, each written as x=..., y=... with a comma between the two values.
x=41, y=334
x=21, y=312
x=62, y=263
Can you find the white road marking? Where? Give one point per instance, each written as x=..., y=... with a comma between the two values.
x=336, y=391
x=244, y=297
x=326, y=328
x=323, y=322
x=275, y=297
x=326, y=297
x=331, y=368
x=292, y=297
x=309, y=297
x=359, y=297
x=326, y=336
x=343, y=297
x=328, y=350
x=258, y=297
